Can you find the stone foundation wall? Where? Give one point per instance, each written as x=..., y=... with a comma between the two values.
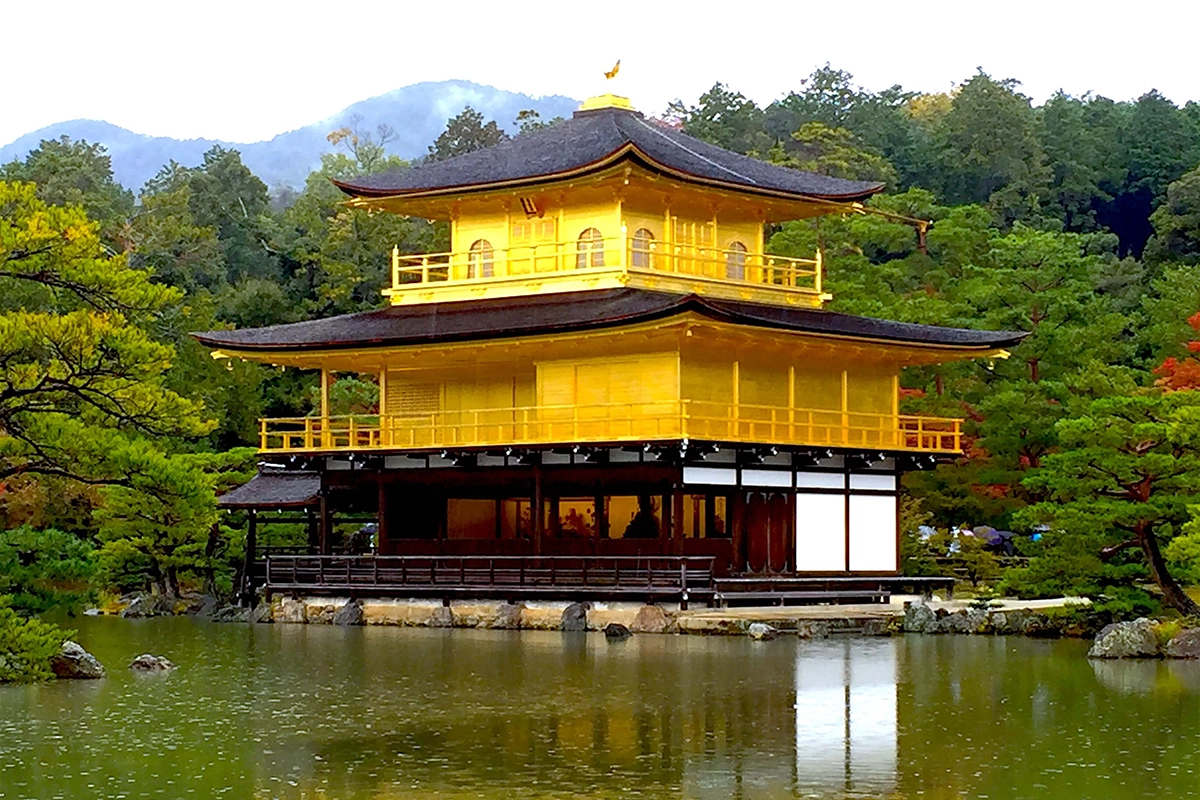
x=544, y=615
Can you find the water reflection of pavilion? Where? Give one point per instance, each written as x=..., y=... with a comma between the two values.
x=846, y=716
x=656, y=715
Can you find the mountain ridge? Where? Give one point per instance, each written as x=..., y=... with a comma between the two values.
x=417, y=113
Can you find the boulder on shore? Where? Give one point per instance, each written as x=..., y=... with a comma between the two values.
x=1126, y=640
x=1186, y=644
x=151, y=663
x=762, y=632
x=149, y=605
x=75, y=662
x=918, y=617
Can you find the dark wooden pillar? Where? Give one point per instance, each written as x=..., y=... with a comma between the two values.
x=737, y=529
x=248, y=561
x=325, y=526
x=536, y=519
x=677, y=522
x=790, y=535
x=601, y=516
x=314, y=535
x=381, y=522
x=666, y=532
x=710, y=515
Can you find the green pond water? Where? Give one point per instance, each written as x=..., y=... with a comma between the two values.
x=291, y=711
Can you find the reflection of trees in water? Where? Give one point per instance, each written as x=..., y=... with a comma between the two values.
x=647, y=718
x=980, y=715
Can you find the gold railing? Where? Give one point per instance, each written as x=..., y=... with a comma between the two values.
x=616, y=422
x=621, y=254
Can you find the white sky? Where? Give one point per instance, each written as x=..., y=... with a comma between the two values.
x=246, y=70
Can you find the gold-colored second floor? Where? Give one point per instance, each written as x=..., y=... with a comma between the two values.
x=684, y=380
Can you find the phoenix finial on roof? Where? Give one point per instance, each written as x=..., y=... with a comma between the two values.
x=612, y=73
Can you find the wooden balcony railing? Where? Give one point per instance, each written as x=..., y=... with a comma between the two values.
x=616, y=255
x=612, y=423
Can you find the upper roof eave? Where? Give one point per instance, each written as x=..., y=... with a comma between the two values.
x=628, y=151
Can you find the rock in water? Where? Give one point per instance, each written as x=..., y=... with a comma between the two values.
x=574, y=617
x=1186, y=644
x=918, y=617
x=615, y=632
x=349, y=614
x=762, y=632
x=1126, y=640
x=149, y=663
x=75, y=662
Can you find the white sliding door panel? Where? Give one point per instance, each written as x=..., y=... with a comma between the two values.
x=872, y=533
x=820, y=532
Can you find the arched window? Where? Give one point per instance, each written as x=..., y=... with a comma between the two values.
x=735, y=262
x=641, y=248
x=589, y=249
x=479, y=259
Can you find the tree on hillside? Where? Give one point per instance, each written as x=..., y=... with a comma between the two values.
x=835, y=152
x=827, y=96
x=228, y=197
x=1081, y=137
x=70, y=173
x=529, y=119
x=992, y=154
x=369, y=151
x=725, y=118
x=1177, y=224
x=1157, y=144
x=80, y=377
x=465, y=133
x=1128, y=469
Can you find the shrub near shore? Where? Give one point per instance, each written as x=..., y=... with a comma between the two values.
x=27, y=646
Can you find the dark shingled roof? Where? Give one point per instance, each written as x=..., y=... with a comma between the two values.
x=274, y=489
x=571, y=312
x=592, y=139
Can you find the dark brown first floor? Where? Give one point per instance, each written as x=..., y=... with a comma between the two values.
x=615, y=517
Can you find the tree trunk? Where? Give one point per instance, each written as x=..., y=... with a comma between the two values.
x=1173, y=593
x=210, y=554
x=172, y=582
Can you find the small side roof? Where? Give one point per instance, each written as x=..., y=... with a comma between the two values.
x=571, y=312
x=274, y=489
x=593, y=140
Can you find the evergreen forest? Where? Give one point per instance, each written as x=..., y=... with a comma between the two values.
x=1076, y=220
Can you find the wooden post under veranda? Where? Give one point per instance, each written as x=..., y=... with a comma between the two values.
x=248, y=560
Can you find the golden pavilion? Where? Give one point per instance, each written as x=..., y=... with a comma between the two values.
x=606, y=387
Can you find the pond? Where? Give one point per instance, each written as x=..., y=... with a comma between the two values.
x=322, y=712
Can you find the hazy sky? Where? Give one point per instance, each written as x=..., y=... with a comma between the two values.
x=246, y=70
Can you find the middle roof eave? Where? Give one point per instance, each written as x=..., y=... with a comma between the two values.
x=571, y=312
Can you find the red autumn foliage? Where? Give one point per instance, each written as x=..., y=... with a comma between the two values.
x=1182, y=374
